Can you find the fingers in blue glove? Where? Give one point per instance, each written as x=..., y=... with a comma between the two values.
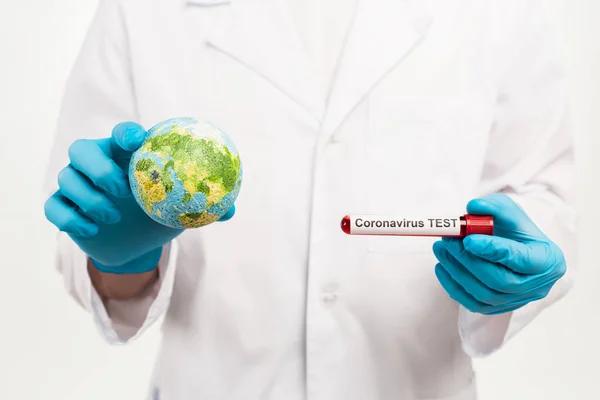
x=65, y=216
x=495, y=276
x=464, y=298
x=229, y=214
x=532, y=258
x=128, y=137
x=89, y=158
x=510, y=220
x=477, y=289
x=500, y=273
x=93, y=203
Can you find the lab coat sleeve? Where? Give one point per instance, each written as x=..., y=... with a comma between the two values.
x=98, y=95
x=530, y=158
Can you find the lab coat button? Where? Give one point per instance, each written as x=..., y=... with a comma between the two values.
x=329, y=298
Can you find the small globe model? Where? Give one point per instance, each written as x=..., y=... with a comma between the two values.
x=186, y=174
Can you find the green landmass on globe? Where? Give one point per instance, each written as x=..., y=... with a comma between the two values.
x=174, y=156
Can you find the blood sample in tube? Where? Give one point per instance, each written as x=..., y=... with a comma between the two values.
x=392, y=225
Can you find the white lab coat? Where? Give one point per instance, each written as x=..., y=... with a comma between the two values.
x=433, y=103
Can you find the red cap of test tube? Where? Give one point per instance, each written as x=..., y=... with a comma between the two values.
x=478, y=225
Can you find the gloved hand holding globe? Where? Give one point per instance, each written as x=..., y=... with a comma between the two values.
x=183, y=173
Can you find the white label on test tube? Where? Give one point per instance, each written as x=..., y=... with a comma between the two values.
x=396, y=225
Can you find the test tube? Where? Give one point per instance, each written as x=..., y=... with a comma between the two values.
x=391, y=225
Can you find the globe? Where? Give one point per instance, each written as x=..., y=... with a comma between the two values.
x=186, y=174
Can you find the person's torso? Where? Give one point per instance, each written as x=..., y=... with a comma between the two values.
x=278, y=303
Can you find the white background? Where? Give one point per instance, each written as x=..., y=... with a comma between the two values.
x=49, y=348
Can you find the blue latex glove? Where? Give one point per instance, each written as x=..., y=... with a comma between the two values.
x=500, y=273
x=95, y=206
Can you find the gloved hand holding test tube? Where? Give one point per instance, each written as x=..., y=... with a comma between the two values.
x=492, y=260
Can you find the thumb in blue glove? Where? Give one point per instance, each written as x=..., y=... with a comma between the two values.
x=95, y=206
x=501, y=273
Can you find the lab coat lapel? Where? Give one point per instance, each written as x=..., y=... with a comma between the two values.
x=261, y=35
x=382, y=34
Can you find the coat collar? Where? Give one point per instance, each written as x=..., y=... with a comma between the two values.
x=261, y=35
